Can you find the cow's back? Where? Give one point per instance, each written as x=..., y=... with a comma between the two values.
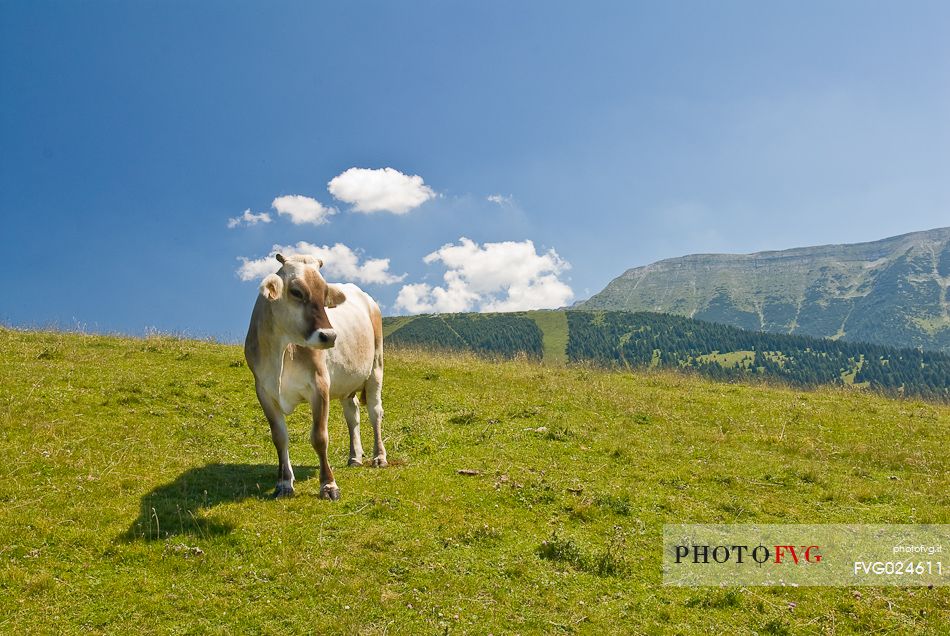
x=350, y=361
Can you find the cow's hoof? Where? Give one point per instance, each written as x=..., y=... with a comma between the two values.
x=330, y=491
x=283, y=490
x=380, y=462
x=355, y=462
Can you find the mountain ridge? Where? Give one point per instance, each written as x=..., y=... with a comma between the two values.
x=892, y=291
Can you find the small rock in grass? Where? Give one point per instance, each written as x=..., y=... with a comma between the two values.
x=187, y=551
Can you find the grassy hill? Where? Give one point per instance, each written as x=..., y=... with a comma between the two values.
x=642, y=339
x=892, y=292
x=135, y=475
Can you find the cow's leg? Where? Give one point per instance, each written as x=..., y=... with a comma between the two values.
x=278, y=433
x=374, y=404
x=320, y=439
x=351, y=411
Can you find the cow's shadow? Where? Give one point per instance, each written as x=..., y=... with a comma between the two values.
x=176, y=508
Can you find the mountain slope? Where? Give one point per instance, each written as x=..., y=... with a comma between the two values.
x=891, y=292
x=646, y=340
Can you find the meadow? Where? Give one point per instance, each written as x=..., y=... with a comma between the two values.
x=522, y=498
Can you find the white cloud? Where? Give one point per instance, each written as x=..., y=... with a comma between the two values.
x=507, y=276
x=302, y=209
x=248, y=218
x=500, y=199
x=339, y=263
x=381, y=190
x=421, y=297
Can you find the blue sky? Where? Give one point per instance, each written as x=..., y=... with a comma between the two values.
x=615, y=134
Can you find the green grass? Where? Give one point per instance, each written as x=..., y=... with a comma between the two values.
x=932, y=324
x=553, y=325
x=391, y=324
x=134, y=475
x=729, y=358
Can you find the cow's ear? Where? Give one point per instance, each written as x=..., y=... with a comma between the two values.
x=272, y=287
x=319, y=263
x=281, y=259
x=335, y=296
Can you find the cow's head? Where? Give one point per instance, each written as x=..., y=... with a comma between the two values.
x=299, y=298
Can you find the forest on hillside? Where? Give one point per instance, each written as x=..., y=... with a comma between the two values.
x=638, y=339
x=642, y=339
x=505, y=335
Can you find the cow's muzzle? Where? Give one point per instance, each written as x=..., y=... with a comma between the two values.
x=322, y=339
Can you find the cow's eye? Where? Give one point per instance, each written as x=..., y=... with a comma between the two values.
x=296, y=293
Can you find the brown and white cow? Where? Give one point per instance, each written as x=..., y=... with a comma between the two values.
x=312, y=342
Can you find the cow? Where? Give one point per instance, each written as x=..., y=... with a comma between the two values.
x=310, y=341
